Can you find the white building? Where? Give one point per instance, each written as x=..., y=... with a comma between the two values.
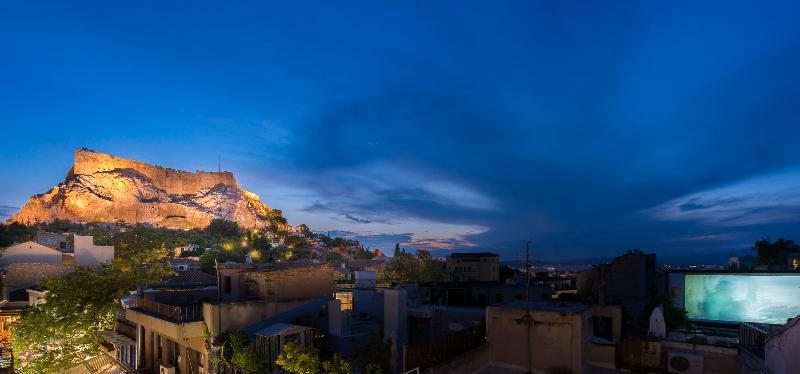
x=88, y=254
x=185, y=248
x=30, y=253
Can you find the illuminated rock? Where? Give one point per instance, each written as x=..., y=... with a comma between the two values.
x=105, y=188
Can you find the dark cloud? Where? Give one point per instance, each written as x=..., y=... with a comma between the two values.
x=356, y=219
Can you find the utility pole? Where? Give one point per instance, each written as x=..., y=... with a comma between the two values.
x=527, y=319
x=219, y=163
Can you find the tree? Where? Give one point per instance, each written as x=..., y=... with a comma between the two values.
x=334, y=258
x=62, y=331
x=506, y=272
x=775, y=253
x=15, y=232
x=423, y=268
x=296, y=360
x=243, y=357
x=364, y=254
x=337, y=365
x=222, y=229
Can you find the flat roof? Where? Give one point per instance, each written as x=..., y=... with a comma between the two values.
x=547, y=306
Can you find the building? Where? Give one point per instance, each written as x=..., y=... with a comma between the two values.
x=30, y=253
x=480, y=294
x=168, y=324
x=471, y=267
x=560, y=337
x=629, y=280
x=59, y=241
x=20, y=290
x=89, y=254
x=183, y=264
x=189, y=248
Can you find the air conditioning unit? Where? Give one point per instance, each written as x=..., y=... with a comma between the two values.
x=685, y=362
x=166, y=370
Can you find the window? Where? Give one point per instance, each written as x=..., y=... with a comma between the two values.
x=226, y=284
x=159, y=348
x=250, y=288
x=602, y=327
x=174, y=350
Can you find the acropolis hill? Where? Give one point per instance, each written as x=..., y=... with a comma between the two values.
x=106, y=188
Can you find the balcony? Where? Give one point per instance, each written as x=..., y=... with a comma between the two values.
x=186, y=313
x=125, y=328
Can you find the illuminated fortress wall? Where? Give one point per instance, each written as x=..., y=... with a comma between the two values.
x=772, y=298
x=171, y=180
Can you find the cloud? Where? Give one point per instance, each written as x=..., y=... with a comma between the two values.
x=766, y=199
x=356, y=219
x=6, y=212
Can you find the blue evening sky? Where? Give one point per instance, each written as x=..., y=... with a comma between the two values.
x=594, y=127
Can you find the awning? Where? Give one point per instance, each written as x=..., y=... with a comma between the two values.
x=115, y=338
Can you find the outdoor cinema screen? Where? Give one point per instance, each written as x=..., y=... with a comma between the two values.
x=772, y=298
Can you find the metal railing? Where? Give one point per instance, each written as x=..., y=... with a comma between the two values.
x=125, y=328
x=752, y=338
x=429, y=354
x=189, y=313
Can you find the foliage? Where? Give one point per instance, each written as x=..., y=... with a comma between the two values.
x=377, y=354
x=15, y=233
x=407, y=268
x=373, y=368
x=63, y=331
x=337, y=365
x=775, y=253
x=222, y=229
x=296, y=242
x=396, y=249
x=364, y=254
x=243, y=357
x=294, y=359
x=334, y=258
x=506, y=272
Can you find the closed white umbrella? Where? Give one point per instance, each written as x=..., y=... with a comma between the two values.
x=658, y=328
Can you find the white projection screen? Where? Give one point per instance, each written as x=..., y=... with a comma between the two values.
x=768, y=298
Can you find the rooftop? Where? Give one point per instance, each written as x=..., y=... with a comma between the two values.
x=546, y=306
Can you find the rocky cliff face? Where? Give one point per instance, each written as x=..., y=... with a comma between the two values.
x=102, y=187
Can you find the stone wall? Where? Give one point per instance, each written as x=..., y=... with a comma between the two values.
x=19, y=275
x=171, y=180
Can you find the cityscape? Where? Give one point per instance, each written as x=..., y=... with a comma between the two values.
x=400, y=188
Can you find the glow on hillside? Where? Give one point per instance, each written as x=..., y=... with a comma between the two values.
x=742, y=298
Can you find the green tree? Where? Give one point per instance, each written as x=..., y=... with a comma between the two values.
x=294, y=359
x=15, y=232
x=223, y=229
x=408, y=268
x=334, y=258
x=364, y=254
x=431, y=270
x=337, y=365
x=404, y=268
x=243, y=357
x=62, y=331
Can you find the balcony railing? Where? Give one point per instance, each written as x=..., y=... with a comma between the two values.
x=189, y=313
x=752, y=338
x=125, y=328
